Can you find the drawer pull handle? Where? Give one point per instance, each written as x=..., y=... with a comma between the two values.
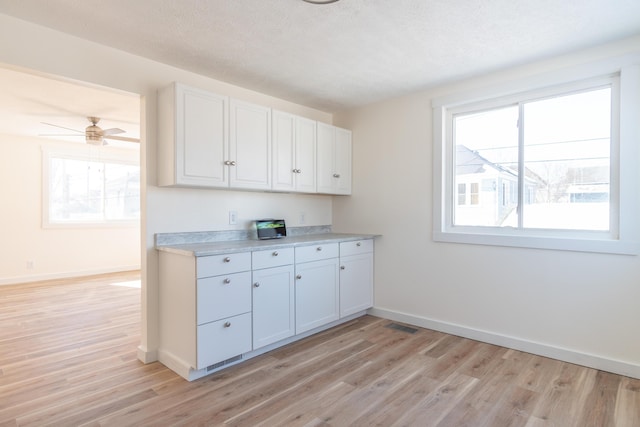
x=275, y=253
x=342, y=267
x=299, y=276
x=227, y=324
x=319, y=248
x=336, y=175
x=358, y=244
x=256, y=285
x=227, y=259
x=227, y=281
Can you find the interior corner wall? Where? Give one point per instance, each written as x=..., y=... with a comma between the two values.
x=30, y=252
x=581, y=307
x=163, y=209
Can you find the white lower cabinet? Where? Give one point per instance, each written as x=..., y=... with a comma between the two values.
x=356, y=276
x=273, y=305
x=215, y=310
x=317, y=287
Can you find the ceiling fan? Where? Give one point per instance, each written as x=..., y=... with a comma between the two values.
x=94, y=134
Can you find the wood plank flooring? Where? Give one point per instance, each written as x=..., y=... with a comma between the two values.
x=68, y=358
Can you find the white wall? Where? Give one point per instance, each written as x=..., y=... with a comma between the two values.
x=54, y=252
x=581, y=307
x=164, y=209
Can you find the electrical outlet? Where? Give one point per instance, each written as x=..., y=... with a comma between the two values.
x=302, y=218
x=30, y=264
x=233, y=217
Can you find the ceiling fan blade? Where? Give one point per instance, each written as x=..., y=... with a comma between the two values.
x=62, y=127
x=121, y=138
x=61, y=134
x=112, y=131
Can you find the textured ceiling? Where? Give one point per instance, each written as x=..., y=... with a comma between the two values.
x=344, y=54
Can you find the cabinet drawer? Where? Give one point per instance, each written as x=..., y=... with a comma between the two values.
x=356, y=247
x=272, y=258
x=223, y=296
x=223, y=264
x=316, y=252
x=222, y=340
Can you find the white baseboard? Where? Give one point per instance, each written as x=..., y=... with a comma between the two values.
x=541, y=349
x=65, y=275
x=146, y=356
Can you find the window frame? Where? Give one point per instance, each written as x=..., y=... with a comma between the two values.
x=84, y=153
x=623, y=236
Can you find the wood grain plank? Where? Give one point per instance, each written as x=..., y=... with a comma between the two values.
x=68, y=356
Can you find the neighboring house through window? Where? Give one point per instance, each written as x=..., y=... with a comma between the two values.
x=549, y=167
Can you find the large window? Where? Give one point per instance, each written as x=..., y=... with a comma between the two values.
x=544, y=168
x=90, y=190
x=544, y=163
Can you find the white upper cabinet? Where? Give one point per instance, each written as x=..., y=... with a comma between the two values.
x=294, y=153
x=213, y=141
x=192, y=137
x=333, y=160
x=250, y=146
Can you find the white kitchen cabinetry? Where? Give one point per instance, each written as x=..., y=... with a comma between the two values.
x=273, y=296
x=216, y=310
x=317, y=286
x=205, y=308
x=208, y=140
x=356, y=276
x=192, y=137
x=249, y=146
x=333, y=160
x=294, y=153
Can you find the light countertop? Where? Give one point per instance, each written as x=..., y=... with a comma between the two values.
x=234, y=246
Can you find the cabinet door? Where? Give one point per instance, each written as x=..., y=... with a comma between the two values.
x=342, y=172
x=356, y=283
x=317, y=294
x=326, y=136
x=305, y=155
x=273, y=305
x=283, y=151
x=333, y=160
x=250, y=146
x=193, y=137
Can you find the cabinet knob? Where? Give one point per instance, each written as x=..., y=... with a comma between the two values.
x=358, y=244
x=227, y=281
x=336, y=175
x=256, y=285
x=298, y=171
x=342, y=267
x=227, y=324
x=299, y=276
x=319, y=248
x=232, y=163
x=227, y=163
x=227, y=259
x=275, y=253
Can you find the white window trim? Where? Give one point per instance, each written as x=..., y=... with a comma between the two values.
x=82, y=153
x=626, y=219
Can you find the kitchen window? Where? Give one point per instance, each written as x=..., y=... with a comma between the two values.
x=89, y=189
x=557, y=165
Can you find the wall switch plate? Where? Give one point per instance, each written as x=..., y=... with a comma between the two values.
x=302, y=218
x=233, y=217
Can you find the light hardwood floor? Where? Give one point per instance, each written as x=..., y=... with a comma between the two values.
x=68, y=358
